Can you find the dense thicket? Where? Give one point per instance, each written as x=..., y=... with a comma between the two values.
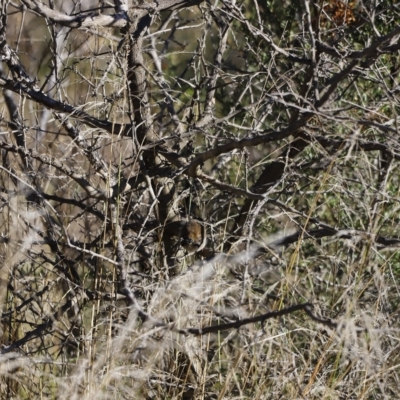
x=273, y=125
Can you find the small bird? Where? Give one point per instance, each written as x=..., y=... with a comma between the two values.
x=193, y=236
